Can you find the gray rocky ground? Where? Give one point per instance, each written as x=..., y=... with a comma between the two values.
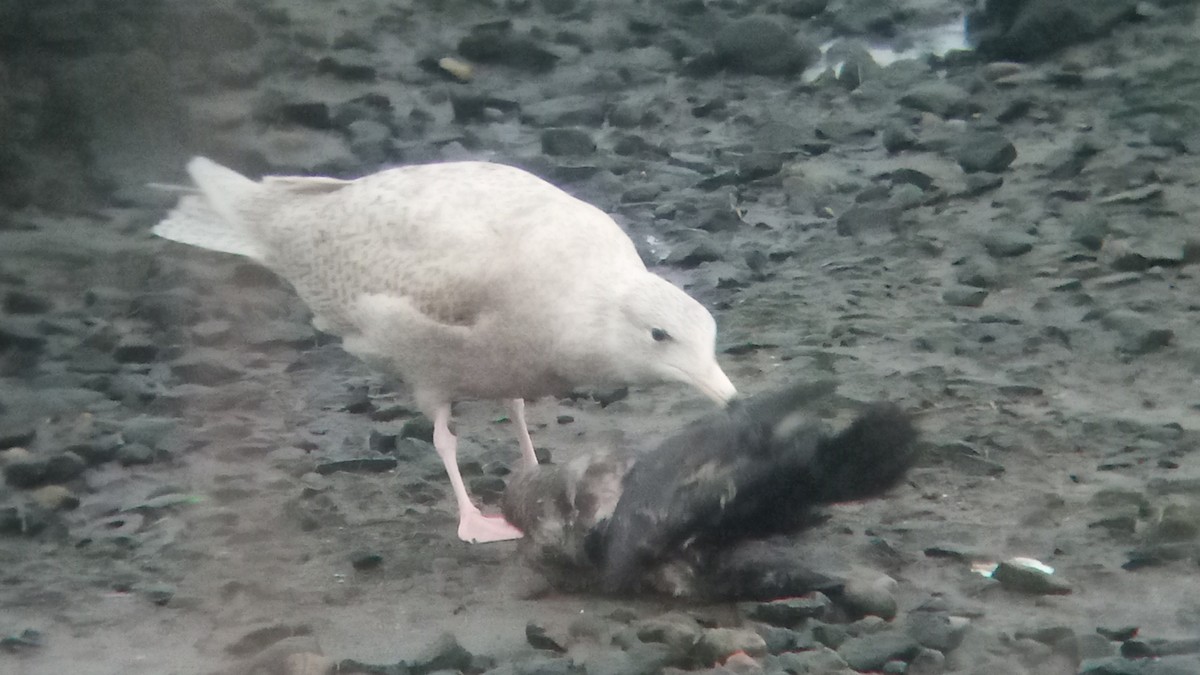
x=1005, y=245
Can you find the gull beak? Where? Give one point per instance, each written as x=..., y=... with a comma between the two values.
x=716, y=385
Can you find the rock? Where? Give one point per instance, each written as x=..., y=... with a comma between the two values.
x=135, y=350
x=537, y=638
x=370, y=140
x=358, y=465
x=830, y=635
x=935, y=629
x=348, y=72
x=785, y=640
x=820, y=660
x=803, y=9
x=862, y=219
x=561, y=142
x=678, y=631
x=990, y=152
x=1025, y=579
x=716, y=644
x=1030, y=30
x=897, y=137
x=940, y=98
x=209, y=372
x=1008, y=244
x=873, y=597
x=132, y=454
x=366, y=560
x=22, y=302
x=64, y=467
x=149, y=430
x=16, y=433
x=759, y=165
x=871, y=652
x=27, y=473
x=444, y=654
x=964, y=296
x=55, y=498
x=791, y=611
x=497, y=45
x=927, y=662
x=759, y=45
x=979, y=183
x=420, y=428
x=1139, y=334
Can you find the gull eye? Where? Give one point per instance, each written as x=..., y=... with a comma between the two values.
x=659, y=334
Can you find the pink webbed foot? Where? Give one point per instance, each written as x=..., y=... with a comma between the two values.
x=476, y=528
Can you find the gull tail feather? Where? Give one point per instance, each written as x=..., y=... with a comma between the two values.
x=212, y=218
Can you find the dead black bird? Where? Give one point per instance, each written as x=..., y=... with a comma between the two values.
x=697, y=516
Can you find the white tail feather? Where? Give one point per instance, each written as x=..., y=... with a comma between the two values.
x=213, y=218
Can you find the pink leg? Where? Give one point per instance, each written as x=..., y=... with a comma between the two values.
x=517, y=407
x=473, y=526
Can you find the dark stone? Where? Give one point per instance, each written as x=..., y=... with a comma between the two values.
x=64, y=467
x=13, y=434
x=860, y=219
x=418, y=427
x=898, y=137
x=97, y=450
x=24, y=522
x=536, y=636
x=366, y=560
x=204, y=371
x=791, y=611
x=497, y=45
x=759, y=165
x=21, y=302
x=350, y=72
x=963, y=296
x=933, y=629
x=990, y=152
x=135, y=350
x=444, y=654
x=132, y=454
x=312, y=115
x=359, y=465
x=871, y=652
x=560, y=142
x=940, y=98
x=14, y=335
x=803, y=9
x=1028, y=580
x=474, y=108
x=759, y=45
x=979, y=183
x=1025, y=31
x=1008, y=244
x=25, y=474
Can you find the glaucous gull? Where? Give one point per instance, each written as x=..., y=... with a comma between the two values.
x=466, y=280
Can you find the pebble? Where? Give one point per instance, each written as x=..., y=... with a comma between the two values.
x=871, y=652
x=861, y=219
x=1008, y=243
x=760, y=46
x=55, y=498
x=535, y=635
x=788, y=612
x=964, y=296
x=206, y=371
x=870, y=597
x=498, y=45
x=988, y=151
x=819, y=660
x=27, y=473
x=63, y=467
x=563, y=142
x=133, y=454
x=1025, y=579
x=940, y=98
x=23, y=302
x=358, y=465
x=717, y=644
x=366, y=560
